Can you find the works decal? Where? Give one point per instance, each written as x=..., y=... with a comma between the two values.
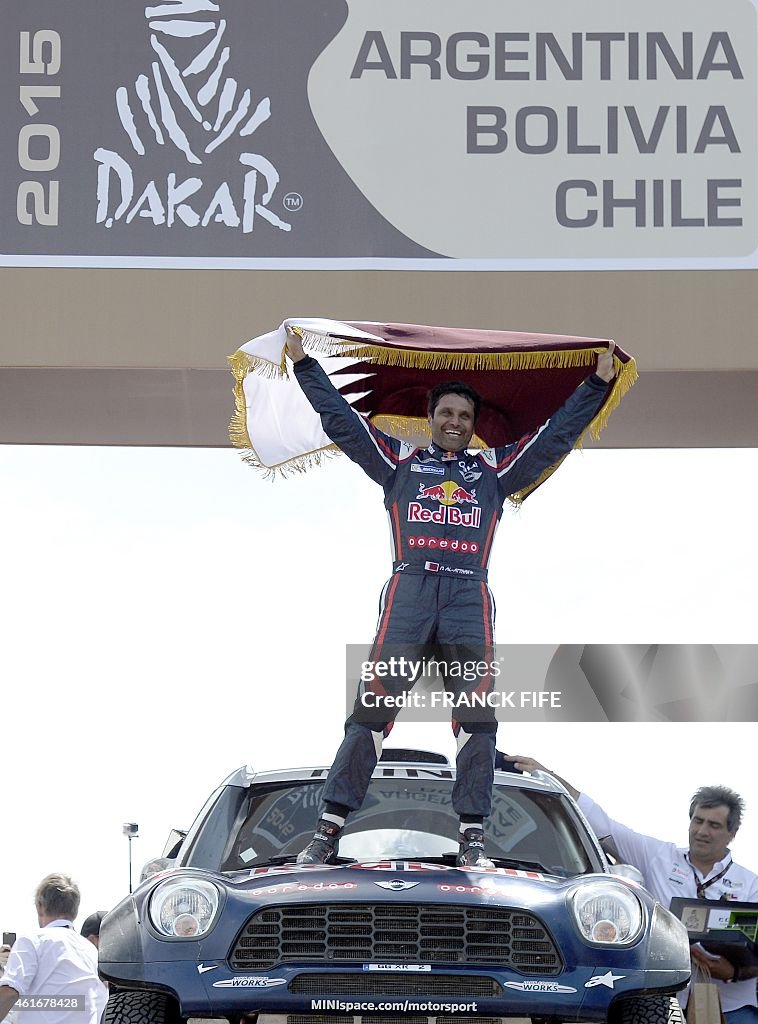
x=249, y=981
x=539, y=986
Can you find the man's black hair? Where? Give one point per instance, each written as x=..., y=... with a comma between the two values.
x=92, y=924
x=454, y=387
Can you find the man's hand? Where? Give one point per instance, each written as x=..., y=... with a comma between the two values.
x=528, y=764
x=720, y=969
x=8, y=997
x=605, y=369
x=295, y=349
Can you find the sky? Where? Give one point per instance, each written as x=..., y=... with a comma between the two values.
x=168, y=615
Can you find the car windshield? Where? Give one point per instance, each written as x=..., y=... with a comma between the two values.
x=411, y=818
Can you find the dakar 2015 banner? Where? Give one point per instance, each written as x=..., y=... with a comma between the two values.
x=427, y=134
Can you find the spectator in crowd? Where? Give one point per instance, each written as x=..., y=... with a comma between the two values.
x=5, y=950
x=704, y=869
x=90, y=930
x=53, y=963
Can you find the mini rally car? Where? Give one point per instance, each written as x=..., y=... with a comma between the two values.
x=394, y=930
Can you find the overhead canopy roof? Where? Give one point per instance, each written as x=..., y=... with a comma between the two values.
x=138, y=357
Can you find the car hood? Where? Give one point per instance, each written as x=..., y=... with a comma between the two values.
x=371, y=880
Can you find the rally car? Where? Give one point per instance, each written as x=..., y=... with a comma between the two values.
x=235, y=930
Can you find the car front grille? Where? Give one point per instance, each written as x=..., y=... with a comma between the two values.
x=388, y=983
x=395, y=933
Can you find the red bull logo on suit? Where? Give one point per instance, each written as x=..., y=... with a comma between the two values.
x=449, y=494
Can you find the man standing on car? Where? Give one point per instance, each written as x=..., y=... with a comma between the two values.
x=442, y=599
x=704, y=870
x=53, y=970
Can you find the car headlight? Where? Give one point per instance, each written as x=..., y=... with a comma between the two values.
x=607, y=913
x=184, y=908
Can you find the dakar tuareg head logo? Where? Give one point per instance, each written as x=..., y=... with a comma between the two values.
x=187, y=105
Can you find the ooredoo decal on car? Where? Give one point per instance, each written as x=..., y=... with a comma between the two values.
x=285, y=887
x=488, y=883
x=487, y=886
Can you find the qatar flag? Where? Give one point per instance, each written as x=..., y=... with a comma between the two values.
x=385, y=371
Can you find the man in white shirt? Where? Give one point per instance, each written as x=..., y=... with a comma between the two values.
x=704, y=870
x=5, y=950
x=54, y=969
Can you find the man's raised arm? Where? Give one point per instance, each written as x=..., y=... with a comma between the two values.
x=374, y=451
x=521, y=464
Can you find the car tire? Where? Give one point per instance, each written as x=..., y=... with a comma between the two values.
x=650, y=1010
x=126, y=1006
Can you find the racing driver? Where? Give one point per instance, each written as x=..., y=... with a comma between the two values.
x=444, y=504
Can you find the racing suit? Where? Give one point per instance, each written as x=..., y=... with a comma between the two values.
x=444, y=509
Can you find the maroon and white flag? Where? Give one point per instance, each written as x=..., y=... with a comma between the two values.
x=385, y=372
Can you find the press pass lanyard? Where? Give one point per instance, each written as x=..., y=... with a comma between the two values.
x=702, y=886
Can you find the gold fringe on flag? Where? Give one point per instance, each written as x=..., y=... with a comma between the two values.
x=238, y=435
x=241, y=364
x=449, y=360
x=290, y=468
x=626, y=375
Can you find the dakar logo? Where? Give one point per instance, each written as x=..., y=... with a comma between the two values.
x=195, y=109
